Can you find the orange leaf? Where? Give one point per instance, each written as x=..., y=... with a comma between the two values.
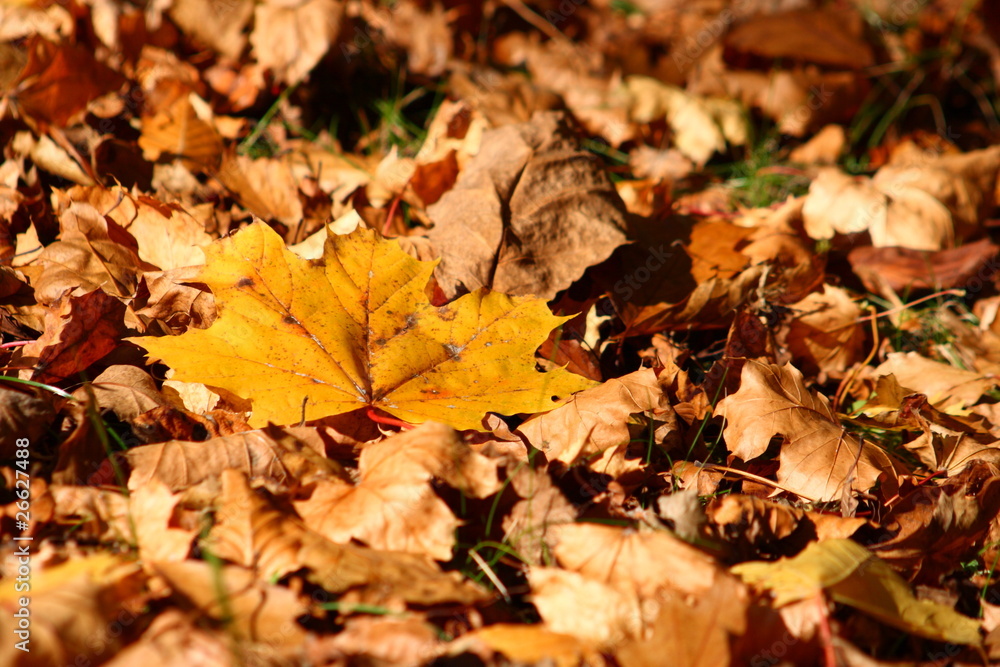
x=355, y=329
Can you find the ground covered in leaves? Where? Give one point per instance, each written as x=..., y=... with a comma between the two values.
x=573, y=332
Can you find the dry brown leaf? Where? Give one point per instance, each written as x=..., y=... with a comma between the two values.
x=167, y=236
x=620, y=557
x=825, y=147
x=425, y=35
x=825, y=334
x=936, y=526
x=73, y=610
x=92, y=252
x=266, y=187
x=758, y=527
x=597, y=419
x=181, y=465
x=819, y=459
x=79, y=330
x=388, y=640
x=830, y=37
x=704, y=633
x=256, y=531
x=172, y=638
x=902, y=269
x=217, y=23
x=947, y=387
x=542, y=505
x=529, y=644
x=393, y=507
x=179, y=133
x=702, y=127
x=153, y=506
x=256, y=611
x=290, y=38
x=59, y=81
x=528, y=214
x=593, y=611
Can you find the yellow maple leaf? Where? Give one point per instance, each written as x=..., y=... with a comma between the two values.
x=356, y=329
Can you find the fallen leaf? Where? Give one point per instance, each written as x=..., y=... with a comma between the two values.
x=356, y=330
x=818, y=457
x=393, y=507
x=79, y=330
x=947, y=387
x=851, y=575
x=830, y=37
x=531, y=644
x=597, y=419
x=616, y=555
x=903, y=269
x=592, y=611
x=289, y=39
x=529, y=213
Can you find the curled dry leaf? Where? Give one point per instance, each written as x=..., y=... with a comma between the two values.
x=619, y=557
x=851, y=575
x=79, y=330
x=93, y=251
x=355, y=329
x=256, y=531
x=529, y=213
x=290, y=38
x=281, y=463
x=826, y=334
x=393, y=507
x=597, y=419
x=818, y=457
x=947, y=387
x=594, y=612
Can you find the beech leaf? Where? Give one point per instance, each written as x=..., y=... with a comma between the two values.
x=309, y=339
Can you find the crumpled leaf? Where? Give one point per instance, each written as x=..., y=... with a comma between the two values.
x=597, y=419
x=254, y=530
x=356, y=329
x=852, y=575
x=619, y=556
x=701, y=126
x=529, y=213
x=818, y=457
x=290, y=38
x=393, y=507
x=947, y=387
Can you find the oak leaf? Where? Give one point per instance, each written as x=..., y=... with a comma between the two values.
x=309, y=339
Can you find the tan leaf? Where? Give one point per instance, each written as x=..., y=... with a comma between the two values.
x=590, y=610
x=153, y=505
x=257, y=611
x=290, y=38
x=393, y=506
x=818, y=457
x=180, y=465
x=826, y=335
x=255, y=531
x=597, y=419
x=529, y=213
x=620, y=557
x=92, y=252
x=944, y=385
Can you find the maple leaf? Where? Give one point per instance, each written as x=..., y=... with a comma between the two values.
x=818, y=457
x=355, y=328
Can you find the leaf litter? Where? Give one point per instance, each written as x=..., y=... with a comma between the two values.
x=348, y=332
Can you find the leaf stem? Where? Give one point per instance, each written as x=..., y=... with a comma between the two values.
x=386, y=419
